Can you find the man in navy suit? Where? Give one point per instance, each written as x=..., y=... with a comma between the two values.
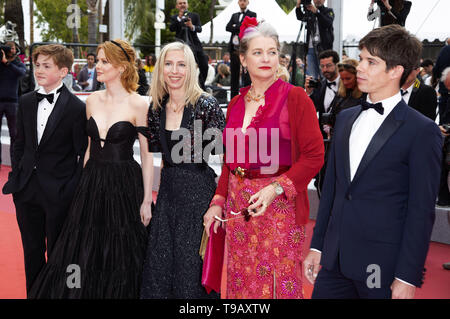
x=377, y=207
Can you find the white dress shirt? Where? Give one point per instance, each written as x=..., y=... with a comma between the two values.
x=407, y=95
x=330, y=93
x=363, y=130
x=45, y=108
x=365, y=127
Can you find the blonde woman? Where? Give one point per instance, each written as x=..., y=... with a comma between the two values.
x=100, y=250
x=180, y=115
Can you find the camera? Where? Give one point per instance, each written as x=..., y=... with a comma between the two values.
x=446, y=128
x=306, y=2
x=6, y=49
x=314, y=84
x=185, y=16
x=328, y=119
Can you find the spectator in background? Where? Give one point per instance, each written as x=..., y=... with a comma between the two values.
x=143, y=84
x=211, y=72
x=427, y=66
x=87, y=78
x=233, y=26
x=446, y=79
x=419, y=96
x=323, y=94
x=186, y=25
x=11, y=71
x=226, y=59
x=150, y=62
x=223, y=77
x=442, y=62
x=389, y=12
x=283, y=60
x=300, y=73
x=320, y=32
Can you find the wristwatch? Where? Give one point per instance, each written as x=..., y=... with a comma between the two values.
x=278, y=189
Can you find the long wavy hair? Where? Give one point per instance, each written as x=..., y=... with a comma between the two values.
x=116, y=56
x=350, y=66
x=159, y=89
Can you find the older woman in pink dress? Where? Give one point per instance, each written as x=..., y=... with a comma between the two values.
x=273, y=150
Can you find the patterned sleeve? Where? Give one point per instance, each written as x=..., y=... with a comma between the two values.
x=153, y=121
x=214, y=123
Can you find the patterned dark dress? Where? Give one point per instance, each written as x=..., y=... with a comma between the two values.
x=103, y=236
x=173, y=267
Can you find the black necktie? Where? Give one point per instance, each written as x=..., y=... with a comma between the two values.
x=404, y=92
x=377, y=106
x=330, y=84
x=49, y=97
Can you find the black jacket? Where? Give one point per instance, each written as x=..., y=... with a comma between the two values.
x=184, y=33
x=234, y=26
x=423, y=99
x=324, y=17
x=58, y=158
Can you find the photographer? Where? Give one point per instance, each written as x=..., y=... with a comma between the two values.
x=323, y=93
x=11, y=70
x=319, y=36
x=389, y=14
x=186, y=25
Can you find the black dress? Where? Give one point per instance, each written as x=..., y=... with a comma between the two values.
x=103, y=239
x=173, y=266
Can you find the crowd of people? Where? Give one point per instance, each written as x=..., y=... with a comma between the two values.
x=364, y=130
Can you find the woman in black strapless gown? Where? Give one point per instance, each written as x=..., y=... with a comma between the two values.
x=101, y=248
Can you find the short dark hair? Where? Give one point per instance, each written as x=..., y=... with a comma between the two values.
x=91, y=54
x=427, y=62
x=394, y=45
x=329, y=54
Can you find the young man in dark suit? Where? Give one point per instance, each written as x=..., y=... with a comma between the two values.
x=48, y=156
x=377, y=207
x=186, y=25
x=234, y=26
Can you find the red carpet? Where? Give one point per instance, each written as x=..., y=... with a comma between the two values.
x=12, y=275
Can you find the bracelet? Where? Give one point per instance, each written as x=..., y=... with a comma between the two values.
x=219, y=201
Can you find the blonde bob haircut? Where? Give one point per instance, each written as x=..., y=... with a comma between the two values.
x=117, y=57
x=159, y=89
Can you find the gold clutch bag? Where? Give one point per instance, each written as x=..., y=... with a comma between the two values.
x=203, y=244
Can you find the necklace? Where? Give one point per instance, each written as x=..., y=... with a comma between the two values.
x=250, y=97
x=175, y=108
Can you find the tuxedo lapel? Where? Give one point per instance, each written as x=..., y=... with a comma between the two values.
x=384, y=133
x=346, y=142
x=55, y=115
x=412, y=99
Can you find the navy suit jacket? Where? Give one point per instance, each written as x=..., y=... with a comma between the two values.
x=384, y=216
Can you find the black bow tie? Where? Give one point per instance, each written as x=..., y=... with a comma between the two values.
x=403, y=93
x=49, y=97
x=377, y=106
x=330, y=84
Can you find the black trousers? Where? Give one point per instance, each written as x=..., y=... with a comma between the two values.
x=235, y=65
x=9, y=110
x=40, y=222
x=202, y=62
x=332, y=284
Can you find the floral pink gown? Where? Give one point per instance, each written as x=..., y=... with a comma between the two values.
x=264, y=254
